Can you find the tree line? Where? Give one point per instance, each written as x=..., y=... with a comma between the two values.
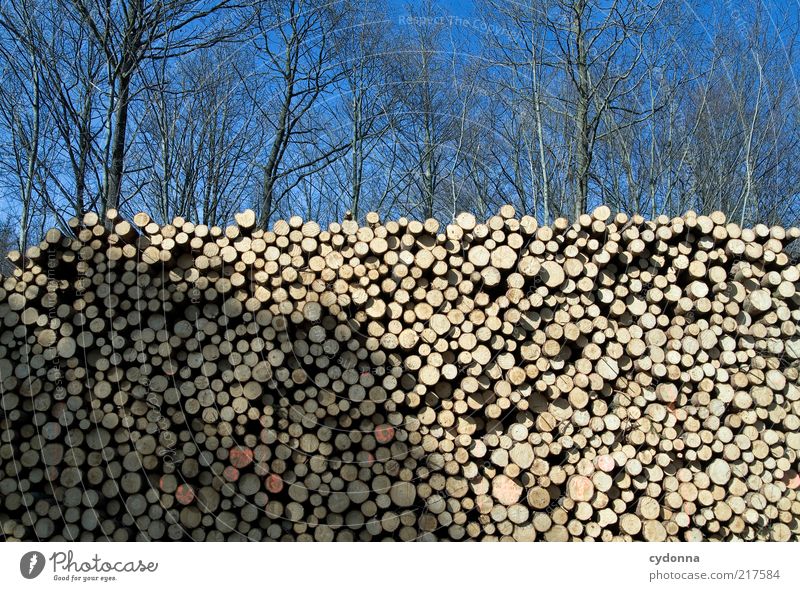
x=201, y=109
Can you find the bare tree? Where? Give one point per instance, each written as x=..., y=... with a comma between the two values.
x=22, y=104
x=516, y=52
x=198, y=138
x=67, y=82
x=130, y=33
x=363, y=48
x=599, y=47
x=296, y=66
x=743, y=150
x=428, y=122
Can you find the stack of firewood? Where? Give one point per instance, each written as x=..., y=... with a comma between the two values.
x=612, y=379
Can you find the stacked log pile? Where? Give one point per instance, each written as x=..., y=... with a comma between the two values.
x=614, y=379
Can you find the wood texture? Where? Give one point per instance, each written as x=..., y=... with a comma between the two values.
x=611, y=379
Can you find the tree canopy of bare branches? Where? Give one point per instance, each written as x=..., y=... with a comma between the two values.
x=201, y=109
